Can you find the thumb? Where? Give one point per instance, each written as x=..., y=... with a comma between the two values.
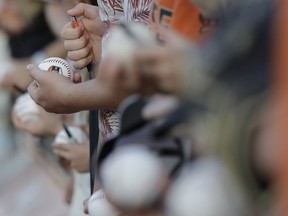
x=36, y=73
x=86, y=10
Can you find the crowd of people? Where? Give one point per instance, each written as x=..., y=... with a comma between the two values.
x=176, y=107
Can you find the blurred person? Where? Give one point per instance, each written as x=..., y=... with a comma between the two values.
x=32, y=119
x=82, y=41
x=243, y=87
x=32, y=37
x=235, y=124
x=74, y=152
x=84, y=51
x=107, y=96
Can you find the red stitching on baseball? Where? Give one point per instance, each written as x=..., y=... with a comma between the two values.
x=59, y=61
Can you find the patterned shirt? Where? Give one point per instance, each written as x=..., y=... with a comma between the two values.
x=114, y=12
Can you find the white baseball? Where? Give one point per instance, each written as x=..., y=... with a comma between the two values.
x=99, y=205
x=204, y=188
x=121, y=46
x=132, y=177
x=59, y=65
x=76, y=132
x=26, y=109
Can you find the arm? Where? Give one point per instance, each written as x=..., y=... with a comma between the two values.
x=55, y=93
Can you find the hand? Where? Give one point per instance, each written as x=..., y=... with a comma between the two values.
x=76, y=154
x=50, y=90
x=43, y=124
x=160, y=69
x=14, y=74
x=83, y=43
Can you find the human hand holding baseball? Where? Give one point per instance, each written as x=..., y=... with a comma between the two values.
x=40, y=123
x=51, y=90
x=83, y=43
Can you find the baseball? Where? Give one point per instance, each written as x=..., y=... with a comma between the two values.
x=59, y=65
x=26, y=109
x=98, y=205
x=204, y=188
x=77, y=133
x=132, y=177
x=124, y=51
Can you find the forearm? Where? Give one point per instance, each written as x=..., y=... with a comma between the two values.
x=93, y=95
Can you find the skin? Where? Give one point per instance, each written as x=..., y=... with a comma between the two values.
x=17, y=74
x=84, y=96
x=10, y=18
x=46, y=125
x=155, y=69
x=83, y=43
x=76, y=154
x=76, y=97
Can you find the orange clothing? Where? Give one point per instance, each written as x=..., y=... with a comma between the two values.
x=160, y=16
x=180, y=16
x=186, y=20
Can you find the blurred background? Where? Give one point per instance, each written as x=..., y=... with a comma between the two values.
x=31, y=181
x=233, y=159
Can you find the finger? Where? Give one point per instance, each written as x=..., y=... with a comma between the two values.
x=85, y=206
x=80, y=54
x=86, y=10
x=70, y=33
x=82, y=63
x=77, y=78
x=76, y=44
x=63, y=154
x=61, y=147
x=36, y=73
x=16, y=120
x=33, y=90
x=149, y=57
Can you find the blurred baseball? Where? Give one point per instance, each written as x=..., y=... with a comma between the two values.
x=77, y=133
x=59, y=65
x=98, y=205
x=132, y=177
x=26, y=109
x=124, y=50
x=204, y=188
